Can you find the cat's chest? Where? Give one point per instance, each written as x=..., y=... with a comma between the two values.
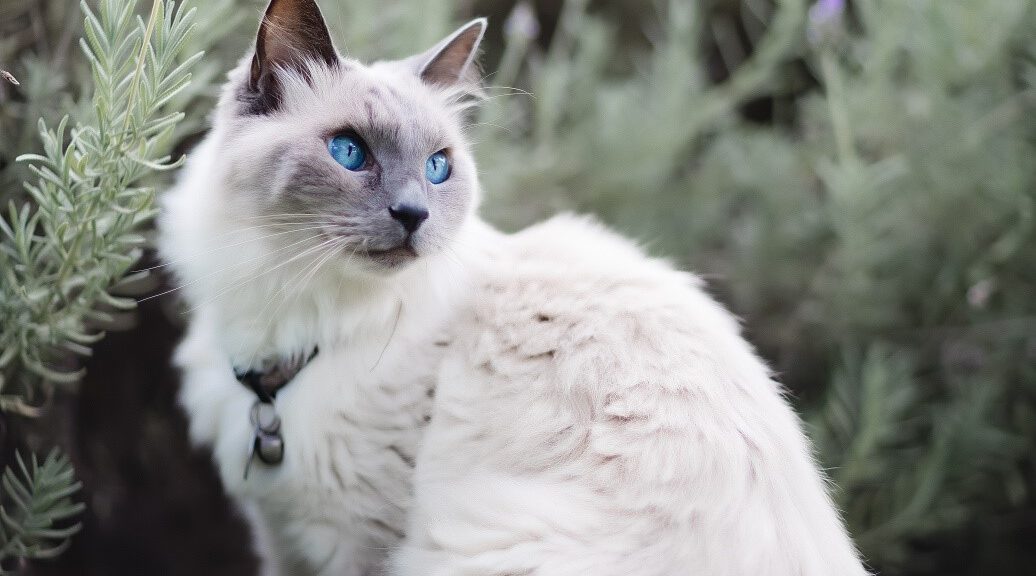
x=351, y=420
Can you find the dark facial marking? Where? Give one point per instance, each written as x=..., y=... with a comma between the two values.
x=369, y=107
x=292, y=32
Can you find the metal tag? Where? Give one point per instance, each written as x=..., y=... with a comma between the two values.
x=267, y=441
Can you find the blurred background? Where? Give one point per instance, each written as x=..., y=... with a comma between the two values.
x=854, y=178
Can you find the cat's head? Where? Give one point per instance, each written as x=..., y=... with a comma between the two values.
x=370, y=160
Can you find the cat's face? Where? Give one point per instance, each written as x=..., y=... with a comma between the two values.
x=368, y=161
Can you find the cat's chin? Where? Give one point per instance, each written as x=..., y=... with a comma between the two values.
x=392, y=259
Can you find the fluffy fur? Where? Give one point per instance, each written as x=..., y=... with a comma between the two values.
x=597, y=413
x=551, y=402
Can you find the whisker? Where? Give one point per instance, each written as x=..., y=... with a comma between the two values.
x=284, y=291
x=226, y=268
x=281, y=215
x=319, y=261
x=395, y=324
x=302, y=254
x=507, y=129
x=514, y=91
x=218, y=248
x=452, y=256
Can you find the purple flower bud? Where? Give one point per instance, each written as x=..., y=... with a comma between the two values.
x=824, y=11
x=980, y=292
x=825, y=17
x=522, y=22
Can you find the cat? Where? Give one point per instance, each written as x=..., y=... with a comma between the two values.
x=456, y=400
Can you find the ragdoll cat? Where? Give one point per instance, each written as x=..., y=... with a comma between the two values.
x=389, y=386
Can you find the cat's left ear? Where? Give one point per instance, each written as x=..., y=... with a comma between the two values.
x=291, y=34
x=454, y=60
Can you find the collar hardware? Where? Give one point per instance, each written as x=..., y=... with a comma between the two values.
x=267, y=440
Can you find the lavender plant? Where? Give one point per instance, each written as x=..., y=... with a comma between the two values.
x=877, y=234
x=854, y=178
x=35, y=516
x=65, y=253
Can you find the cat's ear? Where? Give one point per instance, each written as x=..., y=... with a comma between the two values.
x=292, y=32
x=454, y=60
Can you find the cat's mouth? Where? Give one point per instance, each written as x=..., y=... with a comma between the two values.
x=395, y=256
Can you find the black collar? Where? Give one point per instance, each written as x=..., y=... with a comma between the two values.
x=266, y=383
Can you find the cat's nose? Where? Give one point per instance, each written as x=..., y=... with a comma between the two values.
x=409, y=215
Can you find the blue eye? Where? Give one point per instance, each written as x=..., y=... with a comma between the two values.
x=437, y=168
x=348, y=151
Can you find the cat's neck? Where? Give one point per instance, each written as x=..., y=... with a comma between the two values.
x=285, y=312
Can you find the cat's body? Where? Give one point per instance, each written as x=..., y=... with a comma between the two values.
x=598, y=413
x=551, y=402
x=351, y=419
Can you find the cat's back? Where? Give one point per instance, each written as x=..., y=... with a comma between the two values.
x=589, y=390
x=571, y=293
x=570, y=317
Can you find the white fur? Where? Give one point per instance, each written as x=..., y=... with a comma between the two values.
x=594, y=411
x=597, y=413
x=352, y=418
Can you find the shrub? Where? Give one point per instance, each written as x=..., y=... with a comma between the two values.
x=855, y=179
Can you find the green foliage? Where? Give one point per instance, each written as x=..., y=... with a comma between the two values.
x=924, y=161
x=62, y=255
x=876, y=233
x=66, y=252
x=37, y=509
x=856, y=183
x=874, y=422
x=622, y=137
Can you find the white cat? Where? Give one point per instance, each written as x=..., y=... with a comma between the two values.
x=550, y=403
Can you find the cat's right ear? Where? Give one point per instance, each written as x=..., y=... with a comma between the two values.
x=454, y=60
x=291, y=34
